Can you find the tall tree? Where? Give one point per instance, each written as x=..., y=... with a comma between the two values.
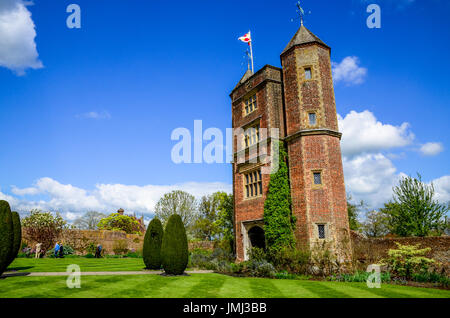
x=413, y=210
x=376, y=224
x=353, y=211
x=226, y=219
x=177, y=202
x=206, y=226
x=279, y=221
x=89, y=221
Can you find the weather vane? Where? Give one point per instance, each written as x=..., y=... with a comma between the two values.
x=301, y=13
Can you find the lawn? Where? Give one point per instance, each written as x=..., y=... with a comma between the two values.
x=86, y=264
x=193, y=286
x=199, y=286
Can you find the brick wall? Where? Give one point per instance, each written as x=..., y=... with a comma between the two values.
x=370, y=250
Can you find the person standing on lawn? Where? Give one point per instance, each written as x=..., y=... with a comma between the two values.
x=61, y=251
x=38, y=250
x=57, y=249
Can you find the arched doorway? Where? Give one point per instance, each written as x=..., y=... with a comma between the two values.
x=257, y=238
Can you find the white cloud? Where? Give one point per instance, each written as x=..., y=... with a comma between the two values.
x=95, y=115
x=442, y=188
x=17, y=33
x=363, y=133
x=73, y=201
x=370, y=177
x=349, y=71
x=431, y=148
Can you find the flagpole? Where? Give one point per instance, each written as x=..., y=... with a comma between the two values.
x=251, y=56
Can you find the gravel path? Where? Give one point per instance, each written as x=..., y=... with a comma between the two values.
x=36, y=274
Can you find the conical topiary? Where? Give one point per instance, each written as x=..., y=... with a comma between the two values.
x=6, y=235
x=152, y=245
x=17, y=236
x=174, y=249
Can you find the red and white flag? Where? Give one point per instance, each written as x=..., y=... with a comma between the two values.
x=246, y=38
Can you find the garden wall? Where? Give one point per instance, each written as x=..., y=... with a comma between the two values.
x=368, y=250
x=80, y=239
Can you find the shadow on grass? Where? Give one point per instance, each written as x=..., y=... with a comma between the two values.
x=17, y=274
x=22, y=268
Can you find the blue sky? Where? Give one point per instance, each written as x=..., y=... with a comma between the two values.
x=86, y=114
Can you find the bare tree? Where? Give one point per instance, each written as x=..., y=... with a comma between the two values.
x=177, y=202
x=89, y=221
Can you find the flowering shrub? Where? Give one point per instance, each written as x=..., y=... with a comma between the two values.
x=43, y=227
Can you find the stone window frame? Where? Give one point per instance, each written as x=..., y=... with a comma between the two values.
x=249, y=181
x=254, y=104
x=325, y=230
x=317, y=118
x=251, y=132
x=314, y=185
x=311, y=68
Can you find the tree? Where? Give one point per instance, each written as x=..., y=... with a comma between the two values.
x=413, y=211
x=152, y=244
x=206, y=226
x=6, y=235
x=43, y=227
x=180, y=203
x=174, y=249
x=17, y=236
x=225, y=219
x=89, y=221
x=120, y=222
x=376, y=224
x=353, y=211
x=279, y=221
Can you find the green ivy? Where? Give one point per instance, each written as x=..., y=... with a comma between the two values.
x=279, y=222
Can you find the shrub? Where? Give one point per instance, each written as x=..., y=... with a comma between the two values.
x=120, y=222
x=292, y=260
x=17, y=236
x=432, y=277
x=359, y=277
x=6, y=235
x=174, y=249
x=408, y=260
x=152, y=244
x=254, y=268
x=257, y=254
x=120, y=247
x=91, y=248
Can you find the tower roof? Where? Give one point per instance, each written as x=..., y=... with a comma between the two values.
x=303, y=36
x=244, y=78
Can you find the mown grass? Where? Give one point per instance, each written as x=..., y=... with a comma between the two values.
x=201, y=286
x=86, y=264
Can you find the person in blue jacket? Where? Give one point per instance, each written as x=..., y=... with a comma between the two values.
x=56, y=249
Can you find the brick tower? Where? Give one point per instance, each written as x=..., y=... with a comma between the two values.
x=299, y=100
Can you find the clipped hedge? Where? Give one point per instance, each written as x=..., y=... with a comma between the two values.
x=6, y=235
x=152, y=245
x=174, y=249
x=17, y=236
